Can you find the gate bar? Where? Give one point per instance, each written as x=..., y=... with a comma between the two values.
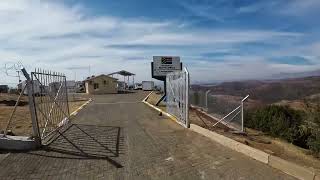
x=34, y=119
x=165, y=92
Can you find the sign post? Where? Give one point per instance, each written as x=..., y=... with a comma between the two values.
x=161, y=66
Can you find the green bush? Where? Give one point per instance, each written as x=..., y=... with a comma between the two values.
x=280, y=121
x=314, y=143
x=313, y=120
x=297, y=127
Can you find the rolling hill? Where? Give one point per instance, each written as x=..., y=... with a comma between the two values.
x=269, y=91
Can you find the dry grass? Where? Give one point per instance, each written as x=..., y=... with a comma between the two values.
x=21, y=122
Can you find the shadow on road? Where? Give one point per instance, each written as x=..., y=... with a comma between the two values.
x=87, y=142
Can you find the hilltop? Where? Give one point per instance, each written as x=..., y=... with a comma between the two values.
x=269, y=91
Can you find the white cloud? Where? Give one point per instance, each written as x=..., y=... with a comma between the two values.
x=300, y=7
x=236, y=68
x=282, y=7
x=51, y=35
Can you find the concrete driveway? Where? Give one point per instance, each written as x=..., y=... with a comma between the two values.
x=119, y=137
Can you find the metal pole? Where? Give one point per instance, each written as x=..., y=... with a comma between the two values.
x=34, y=120
x=207, y=92
x=165, y=93
x=127, y=82
x=19, y=76
x=133, y=80
x=67, y=97
x=242, y=112
x=242, y=117
x=187, y=97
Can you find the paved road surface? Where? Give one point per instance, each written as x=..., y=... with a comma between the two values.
x=118, y=137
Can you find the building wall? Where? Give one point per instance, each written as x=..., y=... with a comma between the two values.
x=106, y=85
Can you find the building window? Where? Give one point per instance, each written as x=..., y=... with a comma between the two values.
x=95, y=86
x=105, y=82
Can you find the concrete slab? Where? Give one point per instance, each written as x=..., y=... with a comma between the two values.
x=18, y=143
x=291, y=168
x=232, y=144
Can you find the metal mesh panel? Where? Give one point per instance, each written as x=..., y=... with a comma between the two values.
x=225, y=109
x=178, y=95
x=51, y=100
x=197, y=98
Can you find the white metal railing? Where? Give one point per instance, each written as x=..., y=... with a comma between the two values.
x=177, y=87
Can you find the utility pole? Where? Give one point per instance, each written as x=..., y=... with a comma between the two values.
x=75, y=69
x=19, y=76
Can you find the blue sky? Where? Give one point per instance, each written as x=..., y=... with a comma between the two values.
x=217, y=40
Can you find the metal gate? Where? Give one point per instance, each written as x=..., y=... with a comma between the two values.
x=50, y=96
x=178, y=96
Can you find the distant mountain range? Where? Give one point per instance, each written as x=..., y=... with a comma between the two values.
x=296, y=75
x=269, y=91
x=270, y=78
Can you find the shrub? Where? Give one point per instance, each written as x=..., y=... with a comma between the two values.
x=280, y=121
x=314, y=143
x=313, y=120
x=297, y=127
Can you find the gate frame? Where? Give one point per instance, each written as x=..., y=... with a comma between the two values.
x=42, y=136
x=34, y=118
x=52, y=99
x=186, y=124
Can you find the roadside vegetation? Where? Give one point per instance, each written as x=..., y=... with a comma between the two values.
x=301, y=128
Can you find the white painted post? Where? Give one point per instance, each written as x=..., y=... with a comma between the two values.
x=242, y=112
x=187, y=97
x=242, y=117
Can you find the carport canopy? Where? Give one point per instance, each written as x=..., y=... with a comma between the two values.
x=125, y=75
x=122, y=73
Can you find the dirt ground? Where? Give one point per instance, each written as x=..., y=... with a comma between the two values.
x=252, y=138
x=21, y=121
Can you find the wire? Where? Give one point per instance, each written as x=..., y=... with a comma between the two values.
x=12, y=66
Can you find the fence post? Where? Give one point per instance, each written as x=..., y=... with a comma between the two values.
x=35, y=126
x=67, y=97
x=187, y=97
x=207, y=92
x=242, y=117
x=242, y=112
